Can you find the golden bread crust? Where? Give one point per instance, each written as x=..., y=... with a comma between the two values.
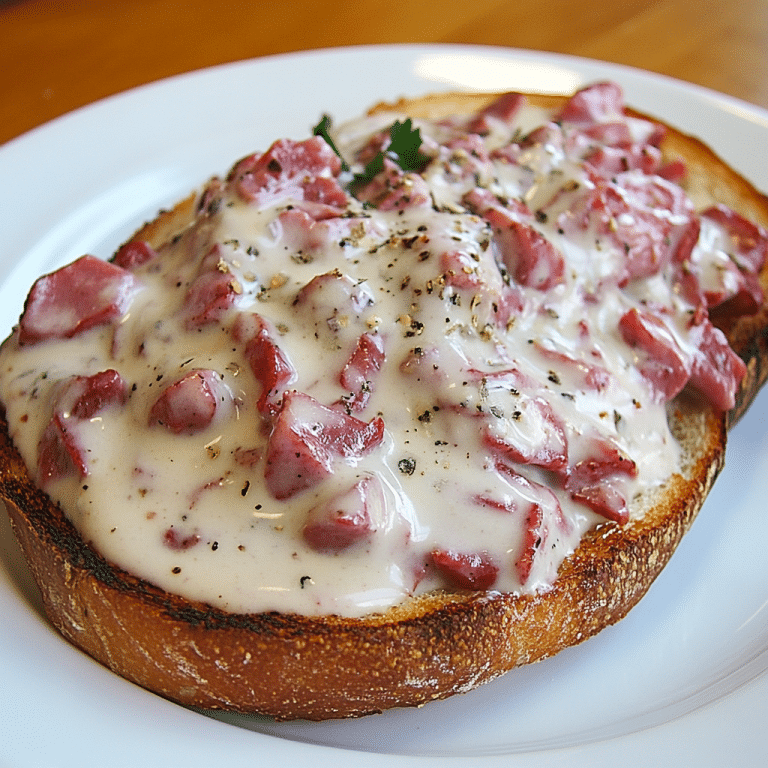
x=318, y=667
x=290, y=666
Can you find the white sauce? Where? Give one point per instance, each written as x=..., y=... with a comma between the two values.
x=251, y=555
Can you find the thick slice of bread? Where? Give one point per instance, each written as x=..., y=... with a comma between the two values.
x=291, y=666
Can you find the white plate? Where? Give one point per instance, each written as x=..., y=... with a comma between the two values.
x=680, y=679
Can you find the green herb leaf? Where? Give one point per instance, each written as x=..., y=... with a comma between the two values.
x=374, y=166
x=405, y=146
x=404, y=149
x=323, y=129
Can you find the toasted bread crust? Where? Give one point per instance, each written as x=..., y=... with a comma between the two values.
x=290, y=666
x=318, y=667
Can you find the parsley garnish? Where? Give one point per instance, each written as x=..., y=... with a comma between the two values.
x=404, y=149
x=405, y=146
x=322, y=129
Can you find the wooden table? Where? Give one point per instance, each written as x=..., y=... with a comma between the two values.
x=56, y=56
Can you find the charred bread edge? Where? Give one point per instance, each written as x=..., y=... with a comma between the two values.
x=290, y=666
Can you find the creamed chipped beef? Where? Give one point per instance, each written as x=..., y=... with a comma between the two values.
x=323, y=402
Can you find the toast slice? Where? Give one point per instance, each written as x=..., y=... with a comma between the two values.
x=430, y=646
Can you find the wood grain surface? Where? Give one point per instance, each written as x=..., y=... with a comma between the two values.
x=57, y=56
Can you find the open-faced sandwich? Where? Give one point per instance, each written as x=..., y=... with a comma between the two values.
x=390, y=410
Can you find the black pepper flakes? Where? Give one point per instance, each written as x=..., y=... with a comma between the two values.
x=407, y=466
